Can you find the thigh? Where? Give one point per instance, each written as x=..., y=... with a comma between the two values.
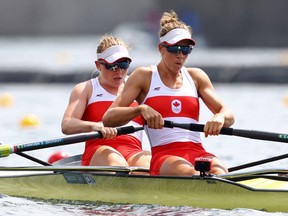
x=142, y=159
x=178, y=166
x=107, y=156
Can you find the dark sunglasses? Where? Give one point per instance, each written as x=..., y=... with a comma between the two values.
x=176, y=49
x=122, y=65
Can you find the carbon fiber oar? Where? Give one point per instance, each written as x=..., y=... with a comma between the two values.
x=6, y=150
x=252, y=134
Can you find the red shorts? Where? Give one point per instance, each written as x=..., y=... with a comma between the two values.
x=187, y=150
x=125, y=144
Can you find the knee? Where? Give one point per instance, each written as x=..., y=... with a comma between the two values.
x=141, y=159
x=106, y=156
x=218, y=169
x=178, y=167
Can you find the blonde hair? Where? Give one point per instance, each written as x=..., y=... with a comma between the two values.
x=170, y=21
x=107, y=41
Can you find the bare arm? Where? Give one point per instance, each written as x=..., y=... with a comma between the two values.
x=223, y=117
x=135, y=88
x=72, y=122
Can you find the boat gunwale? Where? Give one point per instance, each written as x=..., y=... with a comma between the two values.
x=124, y=174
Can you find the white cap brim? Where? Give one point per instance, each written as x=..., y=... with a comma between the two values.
x=176, y=35
x=114, y=53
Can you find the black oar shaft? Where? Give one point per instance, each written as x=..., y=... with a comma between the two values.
x=56, y=142
x=252, y=134
x=6, y=150
x=44, y=163
x=256, y=163
x=194, y=127
x=70, y=139
x=262, y=135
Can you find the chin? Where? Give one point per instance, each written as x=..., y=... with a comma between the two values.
x=178, y=66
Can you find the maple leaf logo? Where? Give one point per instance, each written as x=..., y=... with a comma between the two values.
x=176, y=106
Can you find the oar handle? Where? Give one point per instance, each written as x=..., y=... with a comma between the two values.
x=252, y=134
x=6, y=150
x=195, y=127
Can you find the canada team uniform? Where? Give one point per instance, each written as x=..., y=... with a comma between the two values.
x=178, y=105
x=98, y=104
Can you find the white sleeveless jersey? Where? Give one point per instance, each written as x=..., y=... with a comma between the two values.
x=178, y=105
x=99, y=94
x=100, y=101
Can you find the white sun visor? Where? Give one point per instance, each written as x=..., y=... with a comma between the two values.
x=114, y=53
x=176, y=35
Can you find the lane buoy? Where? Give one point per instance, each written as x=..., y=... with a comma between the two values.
x=6, y=99
x=285, y=100
x=57, y=156
x=30, y=121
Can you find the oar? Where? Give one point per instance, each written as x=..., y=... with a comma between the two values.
x=6, y=150
x=44, y=163
x=256, y=163
x=252, y=134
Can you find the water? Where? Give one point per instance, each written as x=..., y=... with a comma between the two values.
x=257, y=107
x=24, y=207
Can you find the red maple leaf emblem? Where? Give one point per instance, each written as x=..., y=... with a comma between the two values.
x=176, y=104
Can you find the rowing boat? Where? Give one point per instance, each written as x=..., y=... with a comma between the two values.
x=261, y=190
x=265, y=190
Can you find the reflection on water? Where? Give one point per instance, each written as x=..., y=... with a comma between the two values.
x=27, y=207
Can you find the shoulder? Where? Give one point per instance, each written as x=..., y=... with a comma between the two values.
x=83, y=87
x=196, y=72
x=139, y=82
x=199, y=76
x=141, y=73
